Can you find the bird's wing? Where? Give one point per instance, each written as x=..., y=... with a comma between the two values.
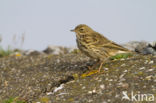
x=115, y=46
x=103, y=42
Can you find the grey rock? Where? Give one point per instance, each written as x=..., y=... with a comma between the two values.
x=152, y=45
x=150, y=49
x=32, y=52
x=135, y=45
x=57, y=50
x=142, y=47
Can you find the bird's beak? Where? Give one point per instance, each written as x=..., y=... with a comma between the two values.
x=72, y=30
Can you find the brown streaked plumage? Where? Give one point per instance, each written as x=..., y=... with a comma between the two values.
x=95, y=45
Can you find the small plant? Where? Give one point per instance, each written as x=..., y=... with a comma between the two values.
x=6, y=52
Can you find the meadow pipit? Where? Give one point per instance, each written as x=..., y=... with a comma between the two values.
x=95, y=45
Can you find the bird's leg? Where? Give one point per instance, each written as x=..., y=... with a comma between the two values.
x=101, y=66
x=94, y=65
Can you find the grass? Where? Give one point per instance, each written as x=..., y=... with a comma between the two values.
x=17, y=42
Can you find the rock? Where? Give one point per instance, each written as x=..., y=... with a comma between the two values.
x=148, y=50
x=57, y=50
x=153, y=45
x=151, y=48
x=32, y=52
x=135, y=45
x=142, y=47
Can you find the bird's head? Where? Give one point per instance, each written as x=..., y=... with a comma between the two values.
x=82, y=29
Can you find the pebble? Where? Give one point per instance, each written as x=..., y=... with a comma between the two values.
x=106, y=79
x=123, y=85
x=110, y=80
x=150, y=70
x=58, y=60
x=94, y=91
x=125, y=71
x=122, y=79
x=122, y=59
x=149, y=77
x=144, y=86
x=58, y=88
x=146, y=61
x=142, y=68
x=49, y=93
x=90, y=92
x=123, y=65
x=104, y=102
x=151, y=62
x=102, y=86
x=105, y=68
x=122, y=75
x=83, y=87
x=108, y=100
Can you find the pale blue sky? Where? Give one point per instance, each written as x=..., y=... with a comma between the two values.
x=47, y=22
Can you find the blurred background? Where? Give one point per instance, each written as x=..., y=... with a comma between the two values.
x=35, y=24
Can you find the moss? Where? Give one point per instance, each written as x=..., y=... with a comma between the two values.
x=76, y=76
x=89, y=73
x=154, y=66
x=140, y=73
x=14, y=100
x=70, y=99
x=44, y=100
x=122, y=55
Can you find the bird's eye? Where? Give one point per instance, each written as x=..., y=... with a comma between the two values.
x=81, y=29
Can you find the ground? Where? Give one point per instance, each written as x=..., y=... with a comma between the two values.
x=68, y=79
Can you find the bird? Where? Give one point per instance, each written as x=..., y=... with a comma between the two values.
x=95, y=45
